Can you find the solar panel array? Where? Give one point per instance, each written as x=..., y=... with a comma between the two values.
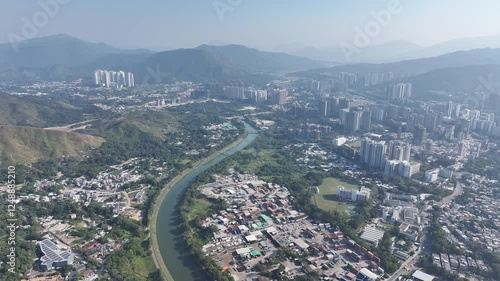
x=53, y=255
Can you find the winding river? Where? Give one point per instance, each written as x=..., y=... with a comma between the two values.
x=170, y=243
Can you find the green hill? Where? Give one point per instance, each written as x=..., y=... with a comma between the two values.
x=37, y=112
x=20, y=144
x=53, y=50
x=129, y=127
x=28, y=145
x=456, y=80
x=256, y=61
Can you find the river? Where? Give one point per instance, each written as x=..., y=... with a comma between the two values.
x=171, y=245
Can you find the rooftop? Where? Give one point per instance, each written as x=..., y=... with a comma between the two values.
x=52, y=254
x=372, y=235
x=422, y=276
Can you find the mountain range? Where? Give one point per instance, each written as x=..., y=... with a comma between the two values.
x=62, y=56
x=56, y=50
x=391, y=51
x=458, y=81
x=415, y=66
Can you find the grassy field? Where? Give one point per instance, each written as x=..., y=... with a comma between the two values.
x=143, y=266
x=199, y=208
x=260, y=158
x=184, y=161
x=327, y=200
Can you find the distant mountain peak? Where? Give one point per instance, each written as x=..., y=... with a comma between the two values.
x=58, y=49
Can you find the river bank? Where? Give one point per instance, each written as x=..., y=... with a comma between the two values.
x=156, y=249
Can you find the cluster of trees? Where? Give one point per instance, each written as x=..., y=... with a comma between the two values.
x=195, y=235
x=31, y=211
x=130, y=143
x=131, y=139
x=211, y=108
x=121, y=264
x=123, y=228
x=409, y=186
x=384, y=251
x=487, y=165
x=25, y=250
x=439, y=241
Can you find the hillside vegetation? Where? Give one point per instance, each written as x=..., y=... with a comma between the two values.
x=29, y=145
x=153, y=123
x=37, y=112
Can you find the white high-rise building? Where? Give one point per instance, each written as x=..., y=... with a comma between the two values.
x=258, y=96
x=130, y=80
x=97, y=77
x=120, y=79
x=107, y=79
x=399, y=91
x=373, y=153
x=399, y=151
x=113, y=76
x=234, y=92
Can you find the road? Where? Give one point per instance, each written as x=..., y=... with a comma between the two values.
x=410, y=263
x=72, y=127
x=449, y=198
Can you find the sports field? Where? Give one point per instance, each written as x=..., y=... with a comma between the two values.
x=327, y=200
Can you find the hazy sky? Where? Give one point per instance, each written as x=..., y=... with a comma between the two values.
x=257, y=23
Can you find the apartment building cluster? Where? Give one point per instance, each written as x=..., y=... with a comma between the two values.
x=392, y=157
x=309, y=131
x=272, y=96
x=399, y=91
x=114, y=79
x=332, y=106
x=364, y=79
x=355, y=119
x=236, y=90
